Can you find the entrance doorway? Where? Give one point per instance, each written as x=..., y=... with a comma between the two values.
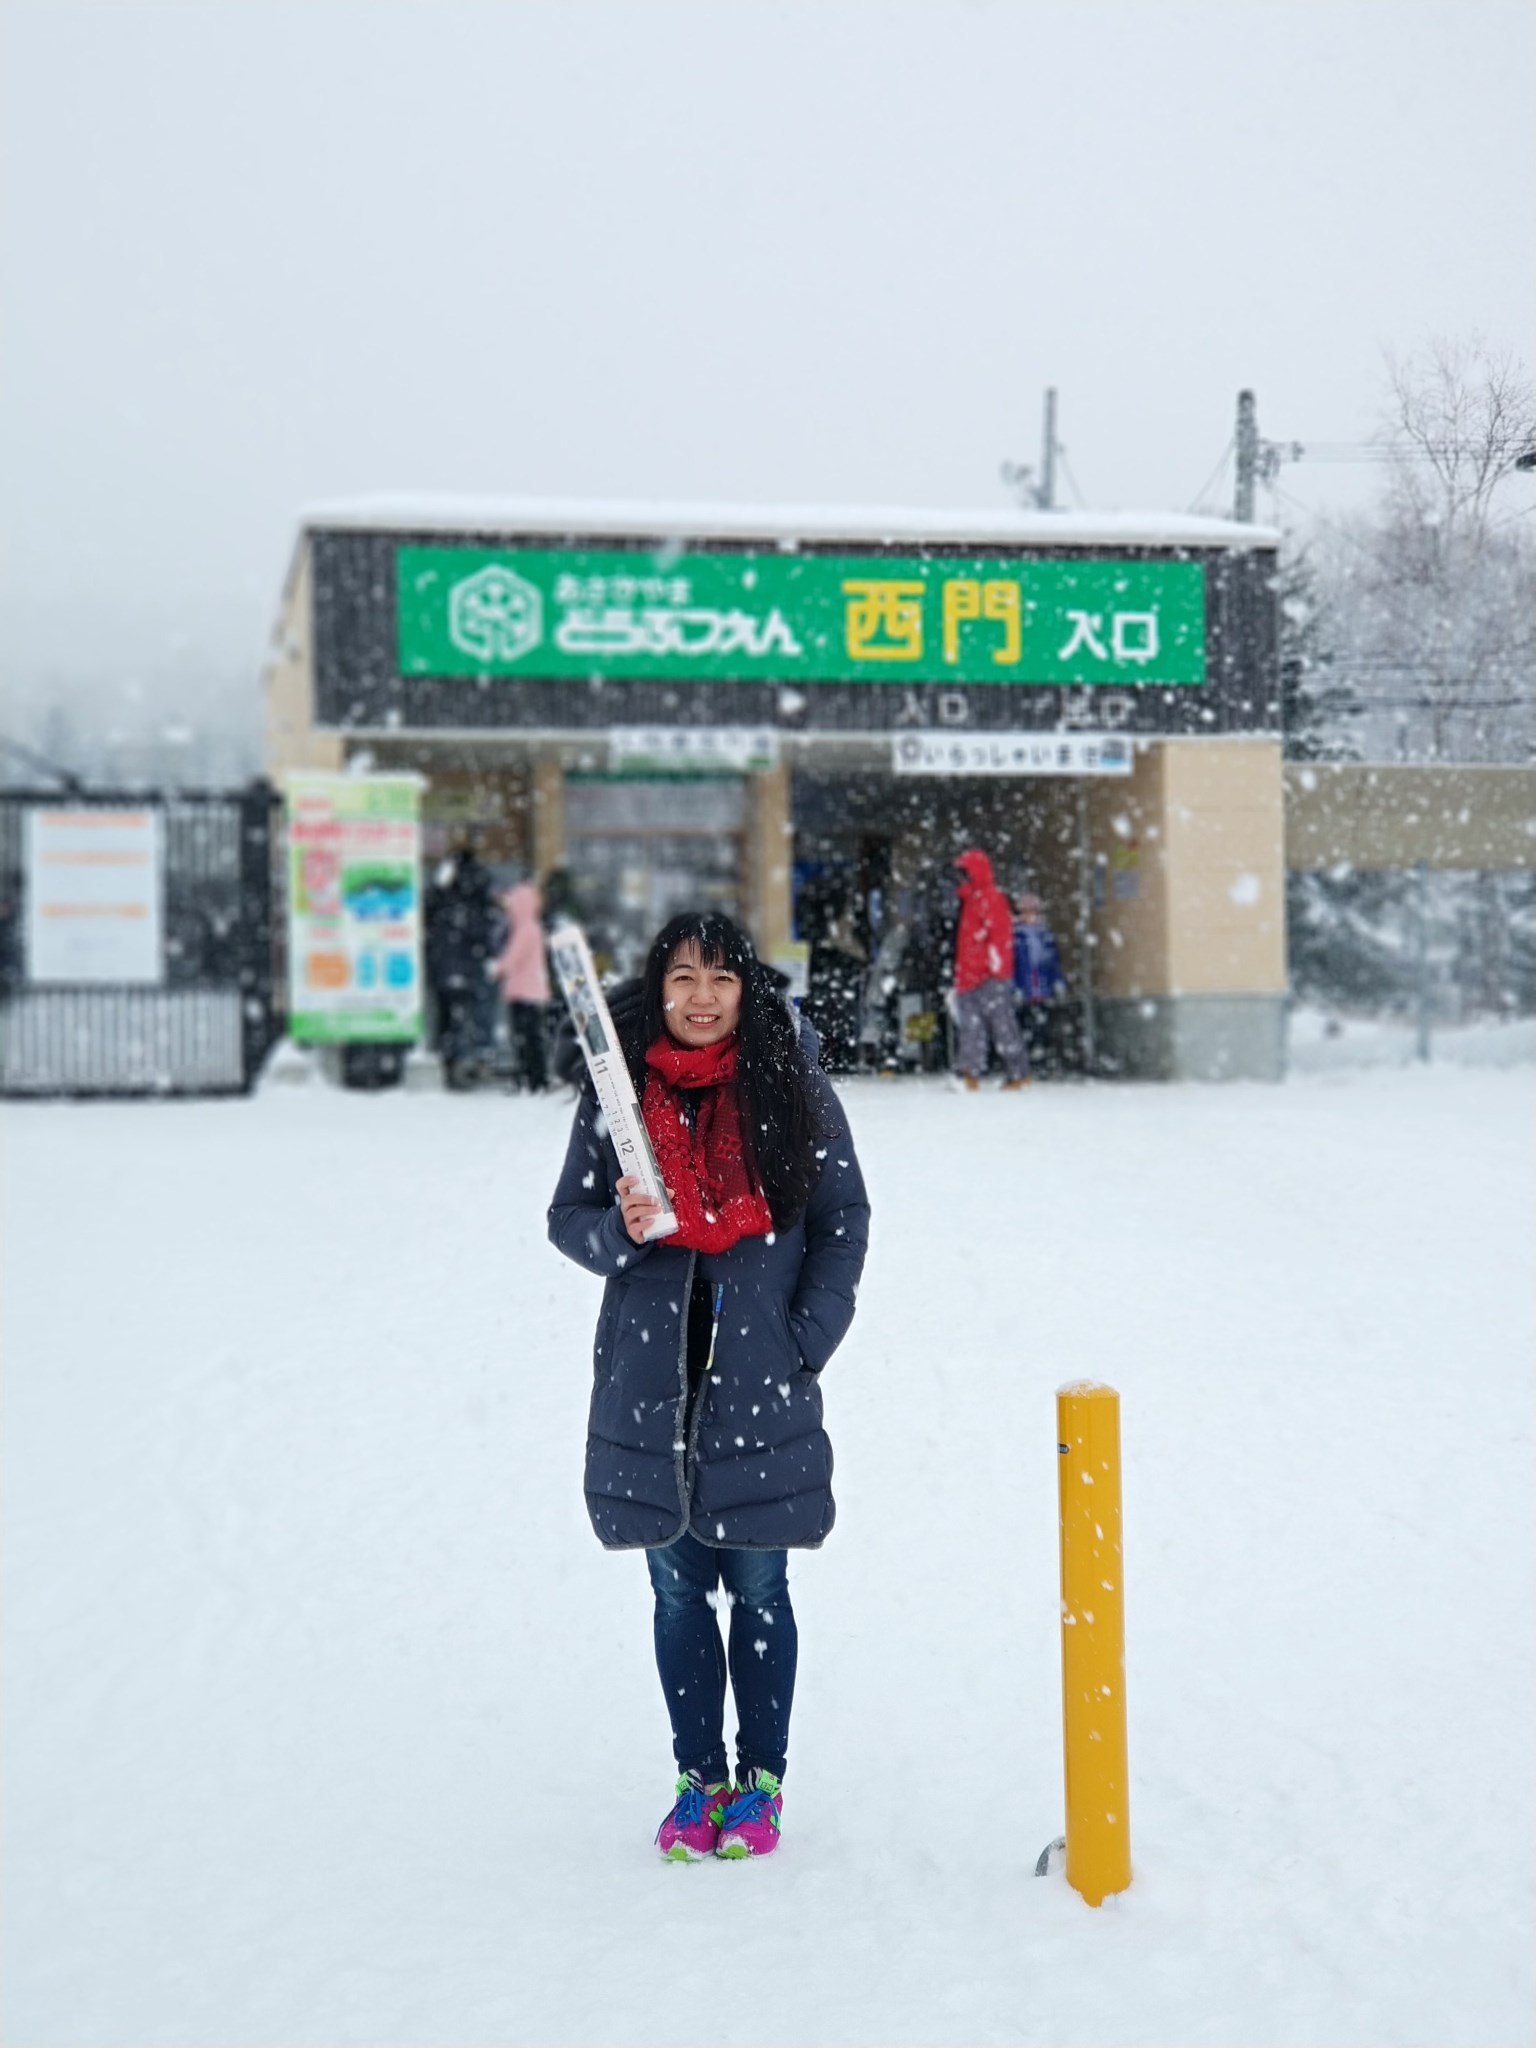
x=875, y=900
x=638, y=851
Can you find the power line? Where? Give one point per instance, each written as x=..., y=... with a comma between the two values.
x=1402, y=665
x=1214, y=477
x=1278, y=490
x=1381, y=451
x=1344, y=451
x=1390, y=703
x=1072, y=483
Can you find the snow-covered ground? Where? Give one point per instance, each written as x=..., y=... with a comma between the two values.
x=1320, y=1043
x=327, y=1722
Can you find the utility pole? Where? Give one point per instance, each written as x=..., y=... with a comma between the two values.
x=1247, y=448
x=1042, y=495
x=1045, y=497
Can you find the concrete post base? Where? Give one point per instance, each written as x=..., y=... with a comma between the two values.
x=1193, y=1038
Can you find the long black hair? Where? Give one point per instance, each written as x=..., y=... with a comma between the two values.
x=778, y=1118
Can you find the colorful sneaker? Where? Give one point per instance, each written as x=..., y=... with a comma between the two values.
x=690, y=1831
x=750, y=1824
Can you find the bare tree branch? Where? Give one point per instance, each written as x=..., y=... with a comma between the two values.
x=1433, y=600
x=1464, y=413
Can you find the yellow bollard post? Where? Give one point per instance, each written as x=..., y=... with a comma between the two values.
x=1092, y=1640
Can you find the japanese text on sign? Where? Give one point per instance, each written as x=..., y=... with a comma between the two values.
x=799, y=617
x=1012, y=753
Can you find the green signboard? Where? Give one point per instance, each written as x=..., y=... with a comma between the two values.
x=798, y=618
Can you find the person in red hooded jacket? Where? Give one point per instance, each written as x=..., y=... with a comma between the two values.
x=984, y=1008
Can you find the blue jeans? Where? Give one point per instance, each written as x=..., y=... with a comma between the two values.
x=692, y=1660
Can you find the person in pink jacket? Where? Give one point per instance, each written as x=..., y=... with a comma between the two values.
x=524, y=976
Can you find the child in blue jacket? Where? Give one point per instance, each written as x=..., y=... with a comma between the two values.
x=1037, y=974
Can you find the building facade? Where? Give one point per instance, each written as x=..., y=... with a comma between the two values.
x=802, y=717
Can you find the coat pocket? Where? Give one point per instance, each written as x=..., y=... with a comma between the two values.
x=607, y=1329
x=786, y=1340
x=806, y=1387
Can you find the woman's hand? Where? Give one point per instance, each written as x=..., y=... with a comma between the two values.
x=638, y=1210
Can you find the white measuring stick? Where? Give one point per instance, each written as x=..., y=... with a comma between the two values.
x=609, y=1070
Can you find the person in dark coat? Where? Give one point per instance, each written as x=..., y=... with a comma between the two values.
x=464, y=933
x=706, y=1446
x=835, y=977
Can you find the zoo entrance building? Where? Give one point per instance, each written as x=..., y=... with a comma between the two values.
x=801, y=716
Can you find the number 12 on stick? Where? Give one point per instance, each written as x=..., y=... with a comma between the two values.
x=609, y=1070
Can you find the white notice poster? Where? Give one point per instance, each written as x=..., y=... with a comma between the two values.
x=95, y=895
x=1012, y=753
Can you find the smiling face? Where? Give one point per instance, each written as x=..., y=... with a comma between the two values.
x=701, y=1005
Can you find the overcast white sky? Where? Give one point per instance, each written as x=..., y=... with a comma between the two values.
x=259, y=252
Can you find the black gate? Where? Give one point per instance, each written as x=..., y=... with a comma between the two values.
x=205, y=1026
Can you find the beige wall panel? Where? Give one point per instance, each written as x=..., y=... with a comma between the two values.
x=1217, y=954
x=1397, y=816
x=1239, y=894
x=548, y=799
x=1227, y=838
x=1223, y=775
x=1226, y=868
x=769, y=858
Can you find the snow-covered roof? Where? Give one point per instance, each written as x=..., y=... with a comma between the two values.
x=411, y=512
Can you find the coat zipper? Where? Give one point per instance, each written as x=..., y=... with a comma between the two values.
x=680, y=1426
x=692, y=1455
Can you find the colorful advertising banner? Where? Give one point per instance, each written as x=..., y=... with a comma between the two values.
x=95, y=897
x=354, y=908
x=798, y=618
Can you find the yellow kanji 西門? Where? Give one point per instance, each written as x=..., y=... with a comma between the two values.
x=967, y=598
x=884, y=619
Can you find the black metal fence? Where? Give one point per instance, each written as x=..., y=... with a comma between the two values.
x=205, y=1026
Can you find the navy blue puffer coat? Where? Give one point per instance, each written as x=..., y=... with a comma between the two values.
x=755, y=1470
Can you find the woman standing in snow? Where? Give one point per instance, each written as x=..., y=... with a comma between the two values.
x=524, y=978
x=705, y=1445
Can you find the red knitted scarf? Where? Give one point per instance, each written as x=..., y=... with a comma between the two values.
x=702, y=1161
